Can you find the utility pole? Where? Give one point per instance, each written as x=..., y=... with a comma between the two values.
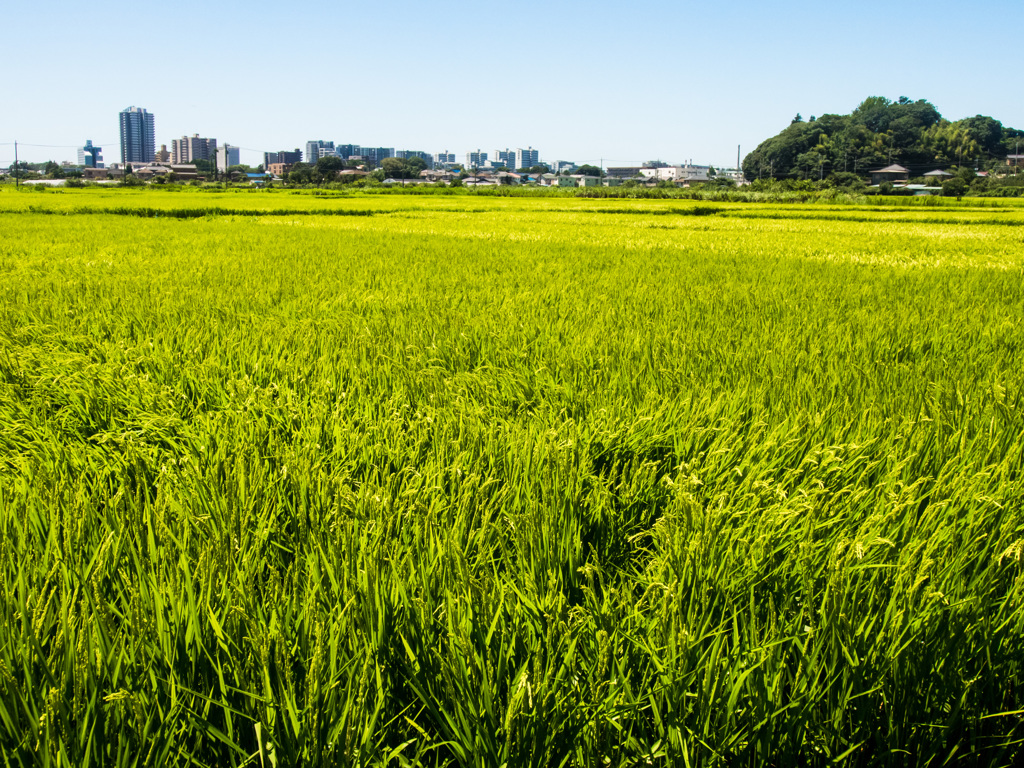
x=17, y=173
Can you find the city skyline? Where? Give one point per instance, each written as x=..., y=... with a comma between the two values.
x=623, y=85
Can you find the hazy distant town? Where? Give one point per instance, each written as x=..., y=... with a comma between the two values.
x=901, y=147
x=198, y=158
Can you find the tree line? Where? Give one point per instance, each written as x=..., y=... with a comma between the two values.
x=879, y=133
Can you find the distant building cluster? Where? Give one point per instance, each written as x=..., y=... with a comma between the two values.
x=679, y=174
x=138, y=148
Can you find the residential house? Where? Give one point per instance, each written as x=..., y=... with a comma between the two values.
x=894, y=173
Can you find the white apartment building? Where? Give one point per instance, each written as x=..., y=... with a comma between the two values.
x=226, y=157
x=188, y=149
x=688, y=172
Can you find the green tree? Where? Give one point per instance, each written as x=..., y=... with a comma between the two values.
x=849, y=182
x=415, y=165
x=301, y=173
x=719, y=182
x=590, y=170
x=985, y=132
x=967, y=175
x=327, y=168
x=955, y=187
x=394, y=168
x=18, y=170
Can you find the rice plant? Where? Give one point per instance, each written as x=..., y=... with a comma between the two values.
x=480, y=481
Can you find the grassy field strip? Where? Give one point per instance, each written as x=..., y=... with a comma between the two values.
x=305, y=202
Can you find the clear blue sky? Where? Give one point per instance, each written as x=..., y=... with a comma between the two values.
x=577, y=80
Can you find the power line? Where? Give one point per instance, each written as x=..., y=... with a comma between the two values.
x=49, y=146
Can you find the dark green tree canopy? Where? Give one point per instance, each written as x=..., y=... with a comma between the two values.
x=330, y=163
x=396, y=168
x=880, y=132
x=301, y=173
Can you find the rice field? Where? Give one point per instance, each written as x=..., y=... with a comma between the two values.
x=459, y=480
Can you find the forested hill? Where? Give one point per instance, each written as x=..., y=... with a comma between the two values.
x=878, y=133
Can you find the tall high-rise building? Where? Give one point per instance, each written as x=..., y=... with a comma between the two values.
x=188, y=149
x=138, y=135
x=444, y=158
x=90, y=156
x=527, y=158
x=476, y=159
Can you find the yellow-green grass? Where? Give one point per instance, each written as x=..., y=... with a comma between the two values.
x=489, y=481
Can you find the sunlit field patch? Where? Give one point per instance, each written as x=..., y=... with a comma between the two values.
x=465, y=480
